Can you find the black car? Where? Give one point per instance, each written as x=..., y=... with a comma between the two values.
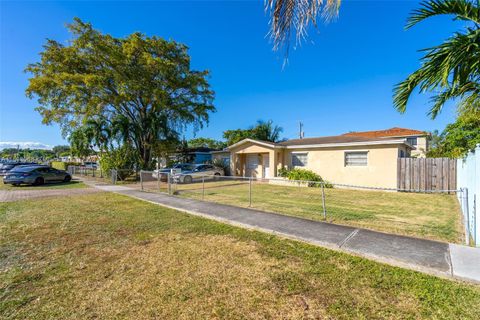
x=6, y=167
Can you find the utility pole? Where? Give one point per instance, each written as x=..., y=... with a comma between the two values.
x=301, y=134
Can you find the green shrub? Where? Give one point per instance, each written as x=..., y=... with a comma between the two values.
x=282, y=172
x=122, y=159
x=60, y=165
x=304, y=175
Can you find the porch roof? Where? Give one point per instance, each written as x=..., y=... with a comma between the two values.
x=262, y=143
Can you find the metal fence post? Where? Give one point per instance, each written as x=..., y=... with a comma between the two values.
x=474, y=216
x=169, y=187
x=250, y=192
x=203, y=187
x=467, y=214
x=113, y=173
x=323, y=202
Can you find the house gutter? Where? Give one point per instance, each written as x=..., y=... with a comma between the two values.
x=350, y=144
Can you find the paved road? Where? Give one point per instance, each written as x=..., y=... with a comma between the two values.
x=16, y=195
x=433, y=257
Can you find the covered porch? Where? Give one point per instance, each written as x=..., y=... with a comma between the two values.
x=258, y=159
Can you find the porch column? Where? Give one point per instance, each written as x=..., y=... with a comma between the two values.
x=233, y=164
x=273, y=163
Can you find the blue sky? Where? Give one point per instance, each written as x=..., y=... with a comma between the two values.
x=339, y=80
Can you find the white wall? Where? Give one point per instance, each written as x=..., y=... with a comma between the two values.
x=468, y=176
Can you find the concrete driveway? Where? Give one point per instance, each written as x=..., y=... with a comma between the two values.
x=16, y=195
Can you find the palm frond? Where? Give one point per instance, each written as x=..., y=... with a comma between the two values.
x=466, y=92
x=451, y=67
x=288, y=15
x=462, y=9
x=403, y=90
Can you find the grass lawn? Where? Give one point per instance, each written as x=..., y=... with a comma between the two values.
x=109, y=256
x=432, y=216
x=62, y=185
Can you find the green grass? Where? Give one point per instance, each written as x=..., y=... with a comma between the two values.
x=74, y=184
x=431, y=216
x=108, y=256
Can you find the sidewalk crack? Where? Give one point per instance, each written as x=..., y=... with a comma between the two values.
x=350, y=236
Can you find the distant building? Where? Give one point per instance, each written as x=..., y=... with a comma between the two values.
x=416, y=138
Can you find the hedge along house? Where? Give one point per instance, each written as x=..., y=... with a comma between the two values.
x=340, y=159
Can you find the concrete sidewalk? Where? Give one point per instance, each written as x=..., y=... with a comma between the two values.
x=442, y=259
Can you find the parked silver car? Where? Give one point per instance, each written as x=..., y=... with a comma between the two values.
x=199, y=172
x=177, y=168
x=35, y=175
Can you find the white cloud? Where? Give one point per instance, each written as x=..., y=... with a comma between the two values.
x=24, y=145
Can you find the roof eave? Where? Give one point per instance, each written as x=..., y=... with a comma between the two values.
x=262, y=143
x=350, y=144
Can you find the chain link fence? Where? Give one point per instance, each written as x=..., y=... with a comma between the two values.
x=154, y=181
x=115, y=176
x=430, y=214
x=426, y=214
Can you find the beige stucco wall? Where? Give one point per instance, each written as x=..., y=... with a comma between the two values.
x=421, y=149
x=250, y=148
x=381, y=170
x=239, y=160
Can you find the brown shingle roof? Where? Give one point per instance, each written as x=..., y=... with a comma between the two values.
x=392, y=132
x=326, y=140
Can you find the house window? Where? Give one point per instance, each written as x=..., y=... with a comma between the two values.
x=356, y=158
x=412, y=141
x=299, y=159
x=401, y=154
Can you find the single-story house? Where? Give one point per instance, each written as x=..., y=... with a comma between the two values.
x=343, y=159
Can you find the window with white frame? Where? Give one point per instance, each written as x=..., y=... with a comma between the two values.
x=412, y=141
x=356, y=158
x=299, y=159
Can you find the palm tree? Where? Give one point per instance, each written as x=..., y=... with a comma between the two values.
x=266, y=131
x=297, y=14
x=452, y=69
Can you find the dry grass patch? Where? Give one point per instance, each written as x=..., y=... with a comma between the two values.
x=107, y=256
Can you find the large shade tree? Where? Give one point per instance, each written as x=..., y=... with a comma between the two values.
x=450, y=70
x=137, y=90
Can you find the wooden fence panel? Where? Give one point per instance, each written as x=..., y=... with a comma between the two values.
x=430, y=174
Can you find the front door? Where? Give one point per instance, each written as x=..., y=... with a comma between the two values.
x=266, y=166
x=252, y=165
